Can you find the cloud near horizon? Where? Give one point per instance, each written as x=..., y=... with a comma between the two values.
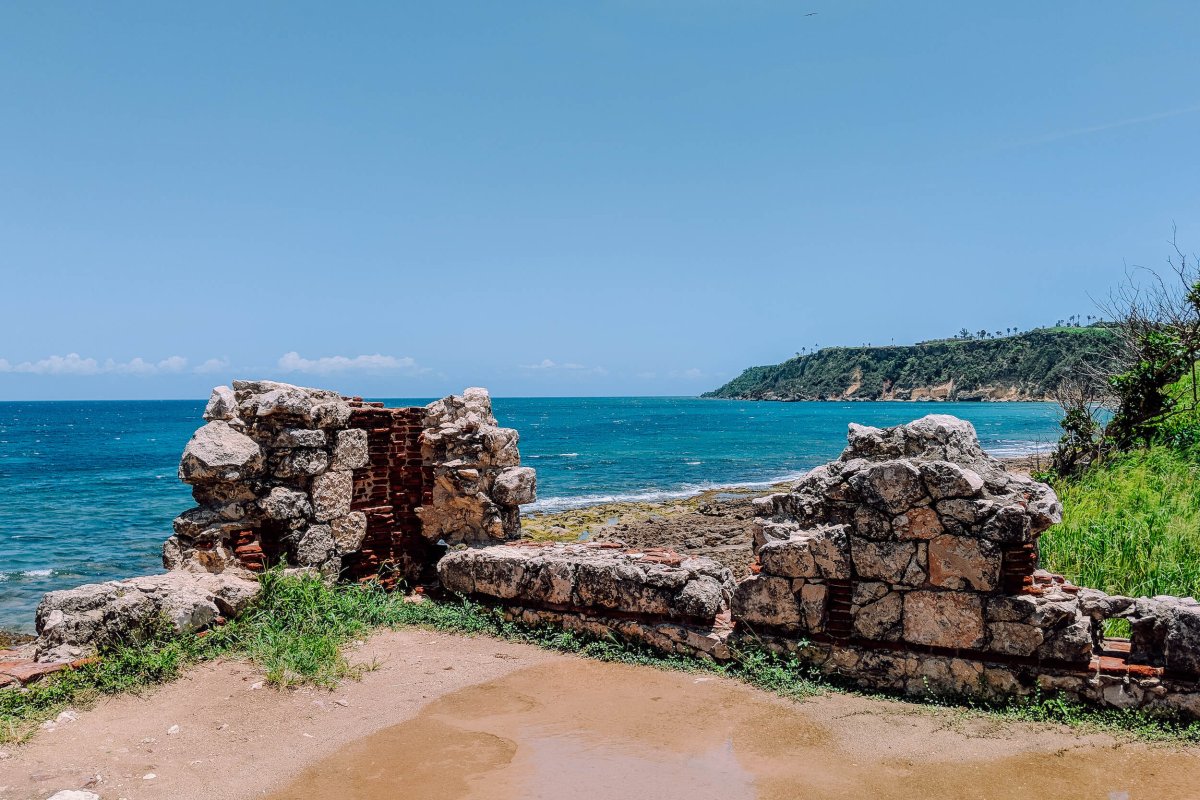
x=294, y=362
x=548, y=364
x=211, y=365
x=75, y=364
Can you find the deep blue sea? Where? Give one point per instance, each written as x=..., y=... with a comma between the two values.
x=88, y=489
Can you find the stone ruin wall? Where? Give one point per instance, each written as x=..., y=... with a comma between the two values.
x=908, y=565
x=354, y=490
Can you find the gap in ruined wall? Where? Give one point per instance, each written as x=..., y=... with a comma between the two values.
x=389, y=490
x=272, y=538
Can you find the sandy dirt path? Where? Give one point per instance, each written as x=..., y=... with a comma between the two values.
x=237, y=741
x=453, y=717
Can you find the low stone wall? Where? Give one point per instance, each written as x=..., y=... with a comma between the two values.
x=72, y=621
x=658, y=597
x=592, y=578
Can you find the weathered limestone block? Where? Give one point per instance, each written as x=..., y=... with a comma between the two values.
x=765, y=530
x=1166, y=632
x=877, y=612
x=349, y=531
x=264, y=399
x=814, y=606
x=332, y=493
x=285, y=504
x=1071, y=643
x=1014, y=638
x=316, y=546
x=331, y=414
x=963, y=562
x=946, y=480
x=299, y=463
x=1042, y=611
x=660, y=585
x=1010, y=525
x=72, y=623
x=221, y=405
x=870, y=523
x=820, y=553
x=219, y=453
x=766, y=600
x=920, y=523
x=181, y=553
x=291, y=438
x=894, y=486
x=962, y=516
x=515, y=486
x=955, y=677
x=899, y=563
x=196, y=521
x=943, y=619
x=350, y=451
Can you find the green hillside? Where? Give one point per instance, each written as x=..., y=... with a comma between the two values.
x=1025, y=366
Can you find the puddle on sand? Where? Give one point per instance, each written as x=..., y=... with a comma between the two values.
x=577, y=729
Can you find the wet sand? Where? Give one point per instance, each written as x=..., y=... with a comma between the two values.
x=578, y=729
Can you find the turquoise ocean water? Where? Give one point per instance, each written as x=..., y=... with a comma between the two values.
x=88, y=489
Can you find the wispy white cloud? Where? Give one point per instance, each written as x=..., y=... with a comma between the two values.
x=548, y=364
x=692, y=373
x=211, y=365
x=1104, y=126
x=294, y=362
x=75, y=364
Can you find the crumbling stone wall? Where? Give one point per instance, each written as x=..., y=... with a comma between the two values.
x=346, y=487
x=907, y=565
x=656, y=597
x=910, y=564
x=478, y=483
x=914, y=537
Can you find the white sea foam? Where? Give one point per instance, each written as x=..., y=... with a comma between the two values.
x=553, y=504
x=26, y=573
x=1015, y=447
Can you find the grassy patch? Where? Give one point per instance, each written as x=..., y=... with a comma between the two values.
x=1131, y=525
x=299, y=628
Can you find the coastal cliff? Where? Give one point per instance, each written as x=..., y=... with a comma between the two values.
x=1025, y=366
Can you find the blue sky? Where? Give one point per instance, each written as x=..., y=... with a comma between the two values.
x=550, y=198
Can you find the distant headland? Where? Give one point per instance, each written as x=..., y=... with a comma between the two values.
x=984, y=366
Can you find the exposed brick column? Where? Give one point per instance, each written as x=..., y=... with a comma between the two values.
x=389, y=490
x=1017, y=566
